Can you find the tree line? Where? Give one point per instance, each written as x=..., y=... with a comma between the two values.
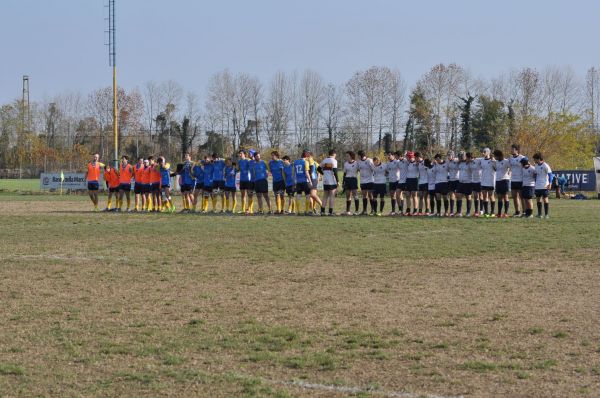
x=554, y=111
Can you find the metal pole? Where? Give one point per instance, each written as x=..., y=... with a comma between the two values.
x=112, y=36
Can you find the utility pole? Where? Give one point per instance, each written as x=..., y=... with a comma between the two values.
x=112, y=56
x=25, y=111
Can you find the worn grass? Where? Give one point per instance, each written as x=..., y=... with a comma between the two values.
x=117, y=304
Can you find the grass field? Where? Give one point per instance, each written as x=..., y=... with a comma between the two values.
x=100, y=304
x=16, y=185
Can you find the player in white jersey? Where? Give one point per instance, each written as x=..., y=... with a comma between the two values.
x=453, y=162
x=502, y=182
x=379, y=183
x=528, y=186
x=488, y=180
x=423, y=185
x=365, y=171
x=465, y=187
x=330, y=181
x=412, y=184
x=543, y=181
x=393, y=173
x=350, y=182
x=430, y=186
x=516, y=177
x=440, y=169
x=475, y=166
x=403, y=172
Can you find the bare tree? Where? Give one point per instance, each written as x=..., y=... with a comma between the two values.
x=592, y=95
x=277, y=109
x=332, y=111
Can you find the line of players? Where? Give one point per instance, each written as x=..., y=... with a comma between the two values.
x=420, y=186
x=411, y=181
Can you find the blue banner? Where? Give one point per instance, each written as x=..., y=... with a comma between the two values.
x=578, y=180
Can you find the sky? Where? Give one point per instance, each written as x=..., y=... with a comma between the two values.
x=60, y=43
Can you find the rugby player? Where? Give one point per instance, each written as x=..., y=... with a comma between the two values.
x=329, y=167
x=543, y=182
x=365, y=171
x=92, y=176
x=125, y=176
x=111, y=178
x=260, y=172
x=379, y=185
x=516, y=179
x=276, y=168
x=350, y=182
x=502, y=182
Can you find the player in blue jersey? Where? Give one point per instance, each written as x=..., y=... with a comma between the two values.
x=187, y=182
x=276, y=168
x=198, y=174
x=259, y=173
x=218, y=181
x=230, y=197
x=290, y=183
x=246, y=187
x=208, y=184
x=165, y=184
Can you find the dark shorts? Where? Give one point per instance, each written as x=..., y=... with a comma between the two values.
x=423, y=187
x=278, y=186
x=187, y=188
x=380, y=189
x=290, y=190
x=453, y=186
x=199, y=186
x=412, y=184
x=125, y=187
x=441, y=188
x=314, y=185
x=113, y=190
x=207, y=188
x=487, y=188
x=246, y=185
x=541, y=193
x=502, y=187
x=516, y=185
x=431, y=192
x=401, y=186
x=261, y=186
x=476, y=186
x=229, y=189
x=366, y=187
x=93, y=185
x=302, y=187
x=527, y=192
x=393, y=186
x=138, y=188
x=164, y=186
x=351, y=184
x=465, y=188
x=328, y=188
x=218, y=185
x=155, y=187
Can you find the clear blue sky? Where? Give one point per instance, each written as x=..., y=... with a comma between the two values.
x=60, y=43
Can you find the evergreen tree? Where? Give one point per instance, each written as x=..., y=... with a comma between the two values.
x=466, y=135
x=489, y=125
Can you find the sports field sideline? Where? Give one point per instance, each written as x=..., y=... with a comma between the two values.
x=181, y=305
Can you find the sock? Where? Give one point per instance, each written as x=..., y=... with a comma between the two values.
x=458, y=206
x=297, y=205
x=331, y=210
x=381, y=205
x=373, y=205
x=348, y=204
x=431, y=204
x=226, y=204
x=438, y=203
x=223, y=203
x=451, y=205
x=401, y=206
x=322, y=210
x=119, y=204
x=539, y=207
x=408, y=210
x=214, y=203
x=233, y=203
x=365, y=201
x=493, y=206
x=251, y=205
x=356, y=205
x=486, y=206
x=307, y=205
x=468, y=206
x=546, y=208
x=109, y=203
x=476, y=203
x=393, y=205
x=243, y=203
x=528, y=212
x=445, y=205
x=506, y=206
x=500, y=207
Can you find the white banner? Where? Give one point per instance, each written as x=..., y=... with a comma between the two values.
x=73, y=181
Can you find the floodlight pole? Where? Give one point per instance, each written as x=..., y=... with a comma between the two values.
x=112, y=52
